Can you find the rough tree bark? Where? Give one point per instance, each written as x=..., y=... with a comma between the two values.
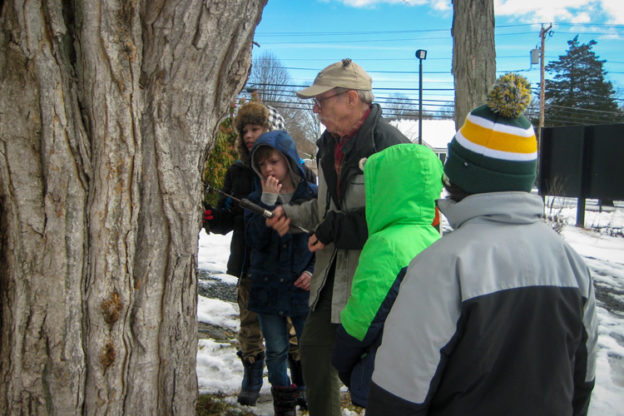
x=106, y=110
x=474, y=54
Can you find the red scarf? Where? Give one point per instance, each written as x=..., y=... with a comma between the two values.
x=339, y=143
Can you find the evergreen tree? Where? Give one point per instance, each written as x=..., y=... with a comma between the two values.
x=578, y=93
x=221, y=157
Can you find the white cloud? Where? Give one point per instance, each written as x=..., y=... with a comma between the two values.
x=434, y=4
x=528, y=11
x=539, y=11
x=572, y=11
x=360, y=3
x=442, y=5
x=581, y=18
x=614, y=11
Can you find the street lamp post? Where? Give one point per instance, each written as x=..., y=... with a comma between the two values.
x=421, y=54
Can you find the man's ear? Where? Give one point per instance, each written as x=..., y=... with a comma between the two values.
x=352, y=97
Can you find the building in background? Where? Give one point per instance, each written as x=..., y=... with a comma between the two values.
x=436, y=133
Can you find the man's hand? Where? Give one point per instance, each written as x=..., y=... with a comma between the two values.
x=279, y=221
x=303, y=282
x=314, y=244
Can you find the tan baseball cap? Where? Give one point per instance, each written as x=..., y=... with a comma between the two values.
x=345, y=74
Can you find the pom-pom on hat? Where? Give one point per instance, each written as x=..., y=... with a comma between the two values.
x=496, y=150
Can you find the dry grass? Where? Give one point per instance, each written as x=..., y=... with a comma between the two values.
x=216, y=405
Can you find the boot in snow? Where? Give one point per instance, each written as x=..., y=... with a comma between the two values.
x=285, y=400
x=252, y=380
x=296, y=375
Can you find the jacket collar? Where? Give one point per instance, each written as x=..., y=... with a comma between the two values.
x=504, y=207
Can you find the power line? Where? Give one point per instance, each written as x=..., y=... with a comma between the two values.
x=586, y=94
x=392, y=107
x=270, y=88
x=588, y=110
x=296, y=86
x=445, y=111
x=408, y=31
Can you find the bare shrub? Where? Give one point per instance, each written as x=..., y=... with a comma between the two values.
x=553, y=206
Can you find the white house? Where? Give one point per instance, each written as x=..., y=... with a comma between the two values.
x=436, y=133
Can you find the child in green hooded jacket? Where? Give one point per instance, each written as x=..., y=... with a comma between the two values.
x=402, y=184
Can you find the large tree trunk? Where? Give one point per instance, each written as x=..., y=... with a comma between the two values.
x=106, y=110
x=474, y=54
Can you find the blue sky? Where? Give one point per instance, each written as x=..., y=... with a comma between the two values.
x=383, y=36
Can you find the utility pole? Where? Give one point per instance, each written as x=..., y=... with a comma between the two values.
x=542, y=87
x=421, y=54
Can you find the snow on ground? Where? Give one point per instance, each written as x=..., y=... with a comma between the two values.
x=218, y=367
x=220, y=370
x=605, y=257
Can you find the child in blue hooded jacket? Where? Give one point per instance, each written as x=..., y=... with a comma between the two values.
x=280, y=267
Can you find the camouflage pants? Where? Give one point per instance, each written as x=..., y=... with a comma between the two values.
x=250, y=338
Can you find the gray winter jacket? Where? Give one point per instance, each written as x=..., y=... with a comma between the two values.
x=496, y=318
x=341, y=208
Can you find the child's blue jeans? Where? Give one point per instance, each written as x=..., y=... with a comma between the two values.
x=275, y=331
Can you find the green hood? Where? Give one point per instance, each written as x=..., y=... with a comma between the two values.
x=401, y=184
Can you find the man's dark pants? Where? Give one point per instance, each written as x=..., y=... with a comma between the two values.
x=317, y=343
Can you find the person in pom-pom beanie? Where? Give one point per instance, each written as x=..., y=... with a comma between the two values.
x=498, y=316
x=496, y=150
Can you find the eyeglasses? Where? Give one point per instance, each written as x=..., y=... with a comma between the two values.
x=318, y=102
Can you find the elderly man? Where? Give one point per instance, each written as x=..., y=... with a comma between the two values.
x=342, y=95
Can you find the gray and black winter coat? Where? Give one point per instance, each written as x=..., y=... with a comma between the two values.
x=496, y=318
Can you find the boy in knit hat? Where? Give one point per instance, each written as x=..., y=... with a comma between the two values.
x=498, y=316
x=252, y=120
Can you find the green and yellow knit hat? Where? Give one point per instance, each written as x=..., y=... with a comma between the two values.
x=496, y=150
